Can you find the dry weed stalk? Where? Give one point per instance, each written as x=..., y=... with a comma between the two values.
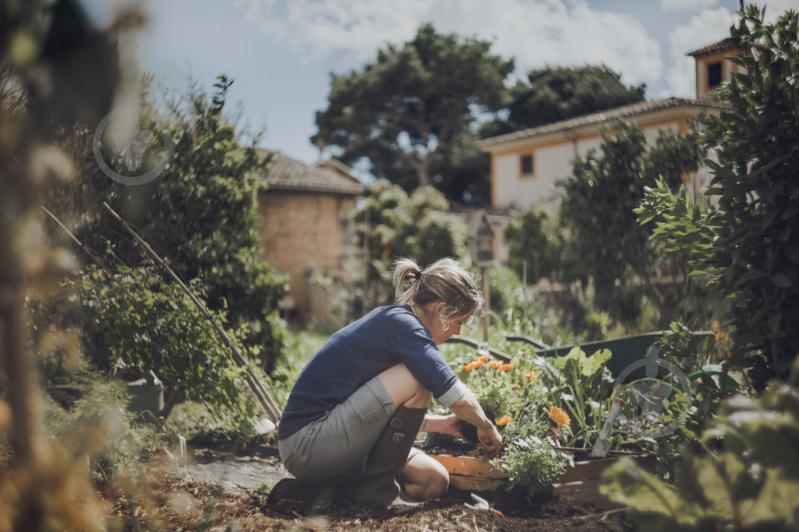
x=58, y=70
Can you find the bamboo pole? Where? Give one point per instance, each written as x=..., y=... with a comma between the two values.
x=264, y=398
x=74, y=238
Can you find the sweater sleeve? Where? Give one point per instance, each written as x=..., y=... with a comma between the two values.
x=416, y=349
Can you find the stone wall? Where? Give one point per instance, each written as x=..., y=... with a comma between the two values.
x=302, y=233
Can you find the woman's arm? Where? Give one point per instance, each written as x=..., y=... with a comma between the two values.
x=441, y=424
x=468, y=409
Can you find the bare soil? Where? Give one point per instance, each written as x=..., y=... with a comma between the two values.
x=218, y=490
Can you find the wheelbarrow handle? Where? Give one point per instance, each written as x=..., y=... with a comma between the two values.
x=729, y=385
x=496, y=353
x=535, y=342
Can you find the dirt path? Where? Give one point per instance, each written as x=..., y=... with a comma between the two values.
x=230, y=472
x=230, y=487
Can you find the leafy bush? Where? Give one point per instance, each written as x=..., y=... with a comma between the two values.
x=597, y=208
x=390, y=224
x=100, y=419
x=201, y=215
x=750, y=483
x=744, y=245
x=533, y=462
x=135, y=322
x=530, y=241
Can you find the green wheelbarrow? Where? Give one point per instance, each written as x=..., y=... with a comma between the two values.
x=629, y=352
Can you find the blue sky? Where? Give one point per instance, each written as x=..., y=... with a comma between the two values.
x=280, y=52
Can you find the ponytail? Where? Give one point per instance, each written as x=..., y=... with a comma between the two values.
x=406, y=270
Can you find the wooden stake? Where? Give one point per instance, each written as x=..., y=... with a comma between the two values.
x=264, y=398
x=486, y=301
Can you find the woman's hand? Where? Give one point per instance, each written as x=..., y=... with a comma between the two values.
x=468, y=409
x=489, y=438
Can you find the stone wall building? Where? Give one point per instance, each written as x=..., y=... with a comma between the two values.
x=303, y=222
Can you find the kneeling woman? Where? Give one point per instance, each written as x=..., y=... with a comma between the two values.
x=356, y=408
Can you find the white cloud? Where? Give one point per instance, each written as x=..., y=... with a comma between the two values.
x=708, y=26
x=775, y=8
x=686, y=5
x=535, y=33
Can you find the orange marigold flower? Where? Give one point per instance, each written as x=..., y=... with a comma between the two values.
x=517, y=386
x=715, y=325
x=532, y=374
x=472, y=366
x=504, y=367
x=721, y=336
x=483, y=358
x=495, y=364
x=504, y=420
x=559, y=416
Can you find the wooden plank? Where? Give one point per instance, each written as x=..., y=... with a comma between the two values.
x=593, y=469
x=469, y=466
x=580, y=483
x=467, y=483
x=584, y=491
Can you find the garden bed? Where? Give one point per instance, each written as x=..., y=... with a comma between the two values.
x=581, y=482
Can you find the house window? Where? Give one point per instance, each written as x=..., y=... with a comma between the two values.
x=527, y=165
x=714, y=75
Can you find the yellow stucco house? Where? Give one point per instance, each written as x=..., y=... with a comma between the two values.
x=526, y=164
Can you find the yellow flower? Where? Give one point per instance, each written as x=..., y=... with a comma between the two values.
x=495, y=364
x=504, y=367
x=721, y=336
x=715, y=325
x=504, y=420
x=483, y=358
x=559, y=416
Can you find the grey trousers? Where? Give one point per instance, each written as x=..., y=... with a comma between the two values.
x=334, y=448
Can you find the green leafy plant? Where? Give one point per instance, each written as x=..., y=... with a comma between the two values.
x=581, y=384
x=533, y=462
x=201, y=215
x=134, y=322
x=597, y=208
x=747, y=478
x=743, y=244
x=391, y=224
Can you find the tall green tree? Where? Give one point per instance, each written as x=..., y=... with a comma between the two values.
x=406, y=112
x=598, y=208
x=550, y=94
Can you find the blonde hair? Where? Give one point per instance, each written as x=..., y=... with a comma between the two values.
x=444, y=280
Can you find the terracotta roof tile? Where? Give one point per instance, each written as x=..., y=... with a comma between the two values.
x=286, y=173
x=601, y=117
x=724, y=44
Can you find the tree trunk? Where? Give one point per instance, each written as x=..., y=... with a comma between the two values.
x=423, y=172
x=15, y=358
